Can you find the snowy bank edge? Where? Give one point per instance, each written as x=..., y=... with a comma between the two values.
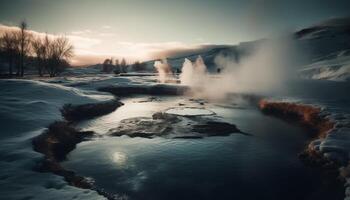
x=330, y=150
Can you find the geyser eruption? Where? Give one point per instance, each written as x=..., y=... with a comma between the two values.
x=163, y=69
x=193, y=74
x=264, y=71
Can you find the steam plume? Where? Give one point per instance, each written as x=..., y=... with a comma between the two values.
x=193, y=74
x=163, y=69
x=266, y=70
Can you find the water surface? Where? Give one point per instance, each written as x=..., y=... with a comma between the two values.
x=262, y=166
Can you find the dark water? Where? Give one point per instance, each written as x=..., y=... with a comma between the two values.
x=262, y=166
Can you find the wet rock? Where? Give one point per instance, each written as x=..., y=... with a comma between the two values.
x=165, y=116
x=87, y=111
x=142, y=127
x=172, y=126
x=59, y=140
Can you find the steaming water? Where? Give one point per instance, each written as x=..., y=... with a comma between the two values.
x=262, y=166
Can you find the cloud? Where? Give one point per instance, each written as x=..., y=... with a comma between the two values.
x=107, y=34
x=91, y=47
x=83, y=32
x=106, y=27
x=83, y=43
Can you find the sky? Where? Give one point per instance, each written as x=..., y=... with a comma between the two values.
x=138, y=29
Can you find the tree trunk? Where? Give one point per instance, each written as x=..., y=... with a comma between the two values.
x=18, y=69
x=40, y=71
x=10, y=66
x=21, y=62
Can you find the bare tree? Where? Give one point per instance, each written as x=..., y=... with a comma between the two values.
x=9, y=44
x=123, y=66
x=59, y=52
x=116, y=62
x=139, y=66
x=24, y=39
x=117, y=69
x=107, y=65
x=40, y=50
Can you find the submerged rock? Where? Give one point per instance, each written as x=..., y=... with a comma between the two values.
x=212, y=128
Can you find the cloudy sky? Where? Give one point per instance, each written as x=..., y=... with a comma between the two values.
x=138, y=29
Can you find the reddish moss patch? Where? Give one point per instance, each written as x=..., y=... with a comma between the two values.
x=308, y=116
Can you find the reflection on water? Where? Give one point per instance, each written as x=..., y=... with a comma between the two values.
x=119, y=158
x=262, y=166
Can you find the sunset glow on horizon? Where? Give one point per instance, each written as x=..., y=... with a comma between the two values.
x=143, y=30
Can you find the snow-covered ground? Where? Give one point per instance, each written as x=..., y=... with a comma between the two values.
x=26, y=108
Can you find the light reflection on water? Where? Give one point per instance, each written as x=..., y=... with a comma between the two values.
x=119, y=158
x=211, y=168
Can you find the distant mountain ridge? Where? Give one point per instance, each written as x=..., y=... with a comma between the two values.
x=327, y=45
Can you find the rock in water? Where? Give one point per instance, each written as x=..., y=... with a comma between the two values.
x=173, y=126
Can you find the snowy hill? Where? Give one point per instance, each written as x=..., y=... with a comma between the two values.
x=328, y=45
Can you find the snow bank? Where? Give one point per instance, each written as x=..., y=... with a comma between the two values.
x=26, y=107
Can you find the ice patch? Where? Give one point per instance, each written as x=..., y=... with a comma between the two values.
x=187, y=111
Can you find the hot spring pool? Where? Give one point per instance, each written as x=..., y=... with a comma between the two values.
x=262, y=166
